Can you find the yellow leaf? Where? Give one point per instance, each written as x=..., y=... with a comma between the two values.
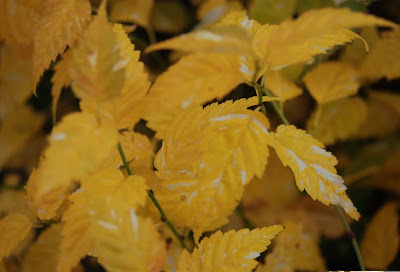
x=18, y=19
x=13, y=201
x=391, y=99
x=13, y=229
x=136, y=11
x=295, y=249
x=281, y=87
x=60, y=79
x=16, y=129
x=379, y=62
x=44, y=254
x=272, y=12
x=211, y=11
x=215, y=75
x=313, y=33
x=313, y=167
x=207, y=156
x=78, y=140
x=122, y=240
x=97, y=71
x=15, y=78
x=170, y=16
x=381, y=239
x=338, y=120
x=231, y=251
x=331, y=81
x=76, y=242
x=59, y=26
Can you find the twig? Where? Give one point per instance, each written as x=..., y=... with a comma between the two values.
x=153, y=198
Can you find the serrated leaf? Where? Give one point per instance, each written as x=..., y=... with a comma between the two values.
x=215, y=75
x=136, y=11
x=295, y=249
x=231, y=251
x=18, y=20
x=15, y=77
x=82, y=142
x=313, y=167
x=289, y=43
x=282, y=87
x=338, y=120
x=207, y=156
x=13, y=229
x=97, y=71
x=379, y=62
x=381, y=239
x=46, y=247
x=59, y=26
x=330, y=81
x=209, y=12
x=272, y=12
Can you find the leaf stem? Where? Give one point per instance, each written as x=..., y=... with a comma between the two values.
x=150, y=34
x=153, y=198
x=274, y=104
x=247, y=223
x=353, y=238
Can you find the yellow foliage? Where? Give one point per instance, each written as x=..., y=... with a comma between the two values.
x=313, y=167
x=207, y=76
x=82, y=142
x=379, y=62
x=44, y=254
x=136, y=11
x=282, y=87
x=295, y=249
x=13, y=201
x=271, y=11
x=232, y=251
x=381, y=240
x=211, y=11
x=18, y=18
x=61, y=23
x=96, y=70
x=13, y=229
x=331, y=81
x=338, y=120
x=207, y=156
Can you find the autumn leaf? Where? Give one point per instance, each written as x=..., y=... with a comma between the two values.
x=97, y=71
x=207, y=156
x=46, y=247
x=313, y=167
x=295, y=249
x=13, y=229
x=272, y=12
x=231, y=251
x=215, y=75
x=338, y=120
x=82, y=142
x=281, y=87
x=59, y=26
x=136, y=11
x=331, y=81
x=379, y=62
x=13, y=201
x=381, y=239
x=210, y=11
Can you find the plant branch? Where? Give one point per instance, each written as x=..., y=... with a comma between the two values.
x=353, y=238
x=153, y=198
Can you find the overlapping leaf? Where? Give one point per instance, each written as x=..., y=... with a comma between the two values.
x=13, y=229
x=136, y=11
x=281, y=87
x=231, y=251
x=381, y=240
x=338, y=120
x=206, y=158
x=59, y=26
x=331, y=81
x=82, y=142
x=192, y=81
x=313, y=167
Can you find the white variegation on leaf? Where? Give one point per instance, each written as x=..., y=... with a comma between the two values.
x=313, y=167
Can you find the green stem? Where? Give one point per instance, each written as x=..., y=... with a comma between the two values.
x=353, y=238
x=247, y=223
x=260, y=97
x=348, y=229
x=150, y=34
x=153, y=198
